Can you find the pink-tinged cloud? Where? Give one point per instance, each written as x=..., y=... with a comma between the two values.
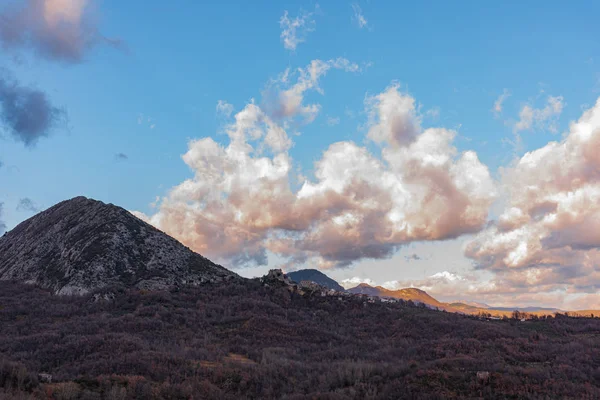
x=530, y=117
x=285, y=101
x=56, y=29
x=549, y=231
x=245, y=198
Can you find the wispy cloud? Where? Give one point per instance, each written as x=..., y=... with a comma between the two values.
x=543, y=118
x=146, y=121
x=358, y=16
x=499, y=103
x=333, y=121
x=433, y=113
x=26, y=204
x=224, y=108
x=412, y=257
x=294, y=30
x=287, y=101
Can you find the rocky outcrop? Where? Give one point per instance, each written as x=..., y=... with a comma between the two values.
x=80, y=245
x=277, y=276
x=313, y=286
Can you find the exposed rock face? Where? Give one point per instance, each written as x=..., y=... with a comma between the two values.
x=313, y=286
x=277, y=275
x=315, y=276
x=81, y=244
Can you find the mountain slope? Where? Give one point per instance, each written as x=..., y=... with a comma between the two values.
x=81, y=244
x=416, y=295
x=420, y=296
x=316, y=276
x=188, y=343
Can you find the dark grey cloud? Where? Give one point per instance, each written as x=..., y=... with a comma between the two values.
x=2, y=224
x=121, y=157
x=412, y=257
x=26, y=204
x=55, y=29
x=26, y=113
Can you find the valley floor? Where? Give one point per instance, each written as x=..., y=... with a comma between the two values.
x=242, y=340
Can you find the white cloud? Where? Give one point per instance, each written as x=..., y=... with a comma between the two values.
x=498, y=104
x=433, y=113
x=358, y=17
x=394, y=118
x=294, y=30
x=355, y=281
x=544, y=118
x=288, y=101
x=333, y=121
x=242, y=200
x=224, y=108
x=146, y=121
x=547, y=237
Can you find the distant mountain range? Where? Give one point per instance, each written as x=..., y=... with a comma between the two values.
x=413, y=294
x=420, y=296
x=473, y=303
x=473, y=308
x=80, y=245
x=315, y=276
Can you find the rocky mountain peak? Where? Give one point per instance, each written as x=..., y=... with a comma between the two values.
x=81, y=244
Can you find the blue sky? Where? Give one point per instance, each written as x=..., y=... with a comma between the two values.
x=147, y=98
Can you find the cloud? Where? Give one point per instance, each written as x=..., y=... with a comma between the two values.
x=2, y=224
x=548, y=235
x=450, y=286
x=433, y=113
x=59, y=30
x=146, y=121
x=584, y=302
x=412, y=257
x=444, y=282
x=121, y=157
x=355, y=281
x=245, y=198
x=498, y=104
x=394, y=118
x=333, y=121
x=358, y=16
x=26, y=204
x=540, y=117
x=236, y=195
x=224, y=108
x=27, y=113
x=285, y=101
x=294, y=30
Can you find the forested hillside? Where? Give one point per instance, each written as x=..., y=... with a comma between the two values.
x=247, y=340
